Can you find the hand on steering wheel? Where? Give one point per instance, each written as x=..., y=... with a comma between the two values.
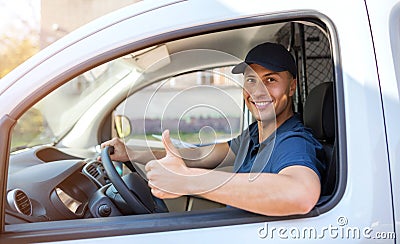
x=137, y=195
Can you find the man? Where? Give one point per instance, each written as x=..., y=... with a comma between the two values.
x=277, y=169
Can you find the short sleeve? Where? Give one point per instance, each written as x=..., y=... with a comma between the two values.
x=298, y=149
x=234, y=144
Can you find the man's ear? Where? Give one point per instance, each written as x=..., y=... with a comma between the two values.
x=293, y=85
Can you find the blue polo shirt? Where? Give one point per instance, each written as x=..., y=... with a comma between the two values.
x=291, y=144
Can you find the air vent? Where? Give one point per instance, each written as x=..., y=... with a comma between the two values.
x=19, y=202
x=95, y=171
x=92, y=170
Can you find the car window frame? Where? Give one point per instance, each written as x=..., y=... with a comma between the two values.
x=196, y=219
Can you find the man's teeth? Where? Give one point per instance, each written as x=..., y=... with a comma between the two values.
x=261, y=103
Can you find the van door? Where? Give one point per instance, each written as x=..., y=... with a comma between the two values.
x=385, y=29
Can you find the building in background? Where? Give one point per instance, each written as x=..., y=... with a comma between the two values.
x=30, y=25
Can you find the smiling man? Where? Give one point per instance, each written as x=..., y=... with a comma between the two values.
x=277, y=162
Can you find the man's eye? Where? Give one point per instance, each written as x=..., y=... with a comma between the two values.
x=250, y=80
x=270, y=80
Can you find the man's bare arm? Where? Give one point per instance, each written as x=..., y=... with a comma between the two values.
x=208, y=157
x=295, y=190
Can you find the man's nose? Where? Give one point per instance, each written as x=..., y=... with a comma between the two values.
x=260, y=90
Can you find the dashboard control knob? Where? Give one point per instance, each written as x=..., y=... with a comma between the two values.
x=104, y=210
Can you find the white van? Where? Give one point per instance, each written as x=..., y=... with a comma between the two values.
x=166, y=64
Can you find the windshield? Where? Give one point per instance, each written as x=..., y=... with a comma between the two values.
x=53, y=116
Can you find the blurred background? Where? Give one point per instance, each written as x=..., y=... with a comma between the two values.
x=27, y=26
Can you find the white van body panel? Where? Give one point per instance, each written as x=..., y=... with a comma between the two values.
x=370, y=102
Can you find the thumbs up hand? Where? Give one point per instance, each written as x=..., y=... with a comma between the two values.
x=170, y=149
x=167, y=176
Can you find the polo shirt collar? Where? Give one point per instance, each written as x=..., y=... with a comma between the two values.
x=289, y=123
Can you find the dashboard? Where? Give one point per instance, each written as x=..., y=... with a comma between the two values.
x=47, y=184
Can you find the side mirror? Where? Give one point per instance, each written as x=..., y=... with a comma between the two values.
x=122, y=125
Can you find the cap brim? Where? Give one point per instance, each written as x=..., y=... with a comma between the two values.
x=239, y=68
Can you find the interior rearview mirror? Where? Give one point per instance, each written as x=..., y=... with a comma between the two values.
x=122, y=125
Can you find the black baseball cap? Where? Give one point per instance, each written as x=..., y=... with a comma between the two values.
x=270, y=55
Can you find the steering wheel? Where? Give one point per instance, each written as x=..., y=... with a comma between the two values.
x=131, y=187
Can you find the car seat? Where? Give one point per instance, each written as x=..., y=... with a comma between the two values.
x=319, y=115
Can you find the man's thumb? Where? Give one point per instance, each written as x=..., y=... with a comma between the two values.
x=170, y=149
